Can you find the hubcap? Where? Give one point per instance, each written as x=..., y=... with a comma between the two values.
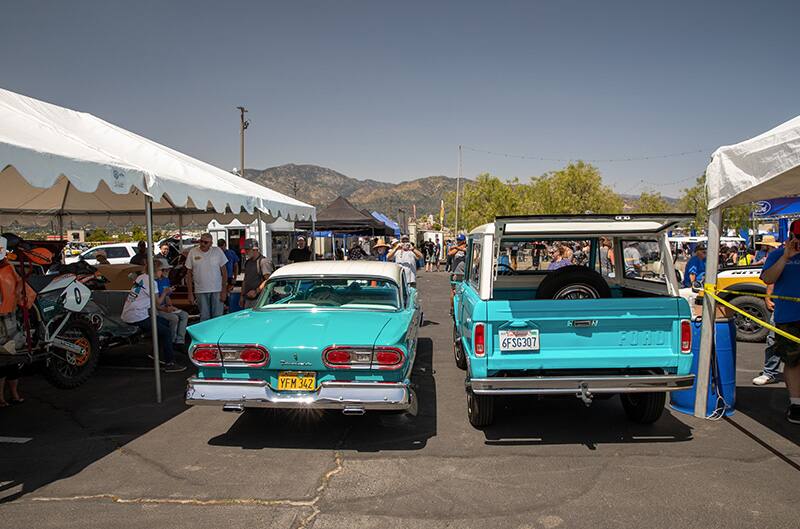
x=579, y=291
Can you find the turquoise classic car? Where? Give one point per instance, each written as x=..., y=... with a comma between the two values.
x=324, y=335
x=584, y=305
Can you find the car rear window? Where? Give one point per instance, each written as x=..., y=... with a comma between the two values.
x=345, y=293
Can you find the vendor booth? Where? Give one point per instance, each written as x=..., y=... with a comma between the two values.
x=71, y=166
x=754, y=170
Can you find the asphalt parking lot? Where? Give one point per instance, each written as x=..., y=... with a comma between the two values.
x=106, y=455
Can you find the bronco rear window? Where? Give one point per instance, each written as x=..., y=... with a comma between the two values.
x=330, y=292
x=539, y=256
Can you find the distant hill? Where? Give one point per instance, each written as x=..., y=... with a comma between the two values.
x=320, y=186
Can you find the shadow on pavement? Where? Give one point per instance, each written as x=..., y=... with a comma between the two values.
x=565, y=420
x=57, y=433
x=767, y=406
x=263, y=428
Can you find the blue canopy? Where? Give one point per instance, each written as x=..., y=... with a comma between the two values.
x=389, y=222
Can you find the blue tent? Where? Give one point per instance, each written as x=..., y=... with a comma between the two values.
x=389, y=222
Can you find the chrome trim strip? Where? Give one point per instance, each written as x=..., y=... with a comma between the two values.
x=330, y=395
x=554, y=385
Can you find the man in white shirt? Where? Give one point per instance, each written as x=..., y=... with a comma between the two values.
x=136, y=311
x=406, y=256
x=207, y=278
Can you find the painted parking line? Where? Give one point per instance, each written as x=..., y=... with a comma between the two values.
x=15, y=440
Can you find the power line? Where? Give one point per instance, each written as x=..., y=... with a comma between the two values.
x=593, y=160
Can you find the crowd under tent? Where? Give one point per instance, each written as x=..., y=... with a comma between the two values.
x=57, y=163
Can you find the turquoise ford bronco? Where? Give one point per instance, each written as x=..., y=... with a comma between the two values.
x=585, y=305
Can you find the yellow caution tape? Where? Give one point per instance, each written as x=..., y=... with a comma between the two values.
x=711, y=291
x=757, y=295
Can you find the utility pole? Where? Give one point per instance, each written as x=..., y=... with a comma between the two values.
x=243, y=124
x=294, y=188
x=458, y=186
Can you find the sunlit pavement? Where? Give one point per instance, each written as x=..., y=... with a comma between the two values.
x=106, y=456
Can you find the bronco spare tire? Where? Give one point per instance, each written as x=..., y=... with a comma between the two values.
x=573, y=282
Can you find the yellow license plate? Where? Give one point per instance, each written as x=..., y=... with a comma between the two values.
x=297, y=381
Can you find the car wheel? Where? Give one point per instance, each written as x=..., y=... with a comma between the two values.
x=573, y=282
x=746, y=329
x=480, y=409
x=644, y=408
x=458, y=351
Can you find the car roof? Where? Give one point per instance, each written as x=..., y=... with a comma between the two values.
x=113, y=245
x=390, y=271
x=584, y=225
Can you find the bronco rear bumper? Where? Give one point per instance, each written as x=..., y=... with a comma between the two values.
x=354, y=397
x=571, y=385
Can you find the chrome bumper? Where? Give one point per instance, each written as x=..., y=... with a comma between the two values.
x=559, y=385
x=347, y=396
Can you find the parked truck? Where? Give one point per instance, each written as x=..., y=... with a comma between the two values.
x=589, y=307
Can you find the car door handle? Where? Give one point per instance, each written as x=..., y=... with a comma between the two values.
x=518, y=324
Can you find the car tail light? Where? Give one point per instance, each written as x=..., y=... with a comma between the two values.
x=387, y=358
x=480, y=340
x=206, y=354
x=347, y=357
x=244, y=355
x=686, y=336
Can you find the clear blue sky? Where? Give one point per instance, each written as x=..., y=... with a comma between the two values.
x=387, y=90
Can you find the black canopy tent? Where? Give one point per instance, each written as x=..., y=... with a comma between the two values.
x=340, y=216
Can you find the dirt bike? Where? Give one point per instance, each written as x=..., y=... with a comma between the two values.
x=55, y=328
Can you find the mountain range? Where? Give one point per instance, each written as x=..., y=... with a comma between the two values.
x=319, y=186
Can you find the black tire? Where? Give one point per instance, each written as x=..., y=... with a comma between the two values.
x=458, y=351
x=480, y=409
x=65, y=375
x=746, y=329
x=644, y=408
x=573, y=282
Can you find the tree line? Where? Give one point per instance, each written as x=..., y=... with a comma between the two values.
x=578, y=188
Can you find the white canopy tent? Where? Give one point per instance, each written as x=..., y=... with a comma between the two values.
x=764, y=167
x=63, y=164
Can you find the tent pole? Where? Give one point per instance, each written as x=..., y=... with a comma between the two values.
x=313, y=240
x=148, y=212
x=262, y=244
x=180, y=232
x=709, y=315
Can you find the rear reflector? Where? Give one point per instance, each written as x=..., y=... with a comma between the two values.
x=480, y=340
x=686, y=336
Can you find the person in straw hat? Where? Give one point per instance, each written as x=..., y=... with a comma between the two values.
x=767, y=244
x=379, y=250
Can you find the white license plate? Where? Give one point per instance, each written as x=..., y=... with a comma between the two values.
x=519, y=340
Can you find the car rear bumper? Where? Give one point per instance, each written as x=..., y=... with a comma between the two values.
x=354, y=397
x=561, y=385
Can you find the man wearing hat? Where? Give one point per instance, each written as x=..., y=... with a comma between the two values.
x=257, y=270
x=696, y=267
x=176, y=317
x=379, y=250
x=406, y=256
x=136, y=311
x=782, y=269
x=300, y=254
x=768, y=244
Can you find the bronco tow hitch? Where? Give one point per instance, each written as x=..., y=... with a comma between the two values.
x=584, y=394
